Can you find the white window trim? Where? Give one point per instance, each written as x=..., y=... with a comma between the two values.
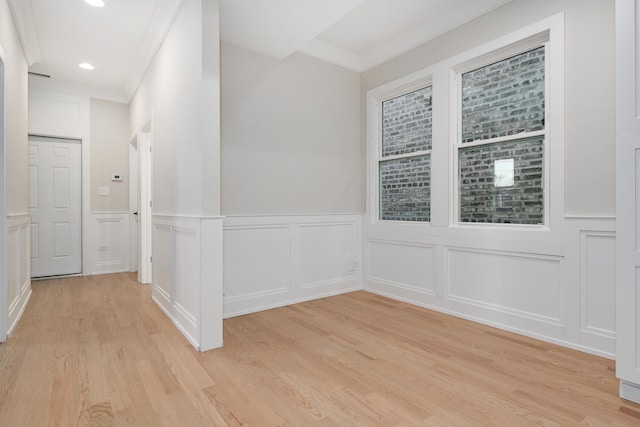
x=522, y=46
x=375, y=99
x=549, y=32
x=445, y=134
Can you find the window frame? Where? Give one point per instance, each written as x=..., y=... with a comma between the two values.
x=444, y=162
x=526, y=44
x=374, y=107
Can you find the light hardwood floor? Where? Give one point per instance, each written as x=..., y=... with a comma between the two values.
x=96, y=351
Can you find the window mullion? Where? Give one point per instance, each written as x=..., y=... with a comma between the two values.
x=513, y=137
x=405, y=155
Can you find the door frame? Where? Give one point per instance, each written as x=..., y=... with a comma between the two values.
x=134, y=208
x=3, y=214
x=145, y=142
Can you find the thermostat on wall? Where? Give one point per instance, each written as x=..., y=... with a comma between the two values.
x=116, y=177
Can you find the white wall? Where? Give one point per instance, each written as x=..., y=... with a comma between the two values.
x=171, y=97
x=179, y=99
x=16, y=119
x=15, y=281
x=290, y=136
x=558, y=284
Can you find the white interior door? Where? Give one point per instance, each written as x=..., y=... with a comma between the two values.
x=55, y=204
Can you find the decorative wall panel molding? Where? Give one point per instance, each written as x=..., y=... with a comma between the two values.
x=272, y=261
x=18, y=268
x=187, y=276
x=110, y=232
x=558, y=290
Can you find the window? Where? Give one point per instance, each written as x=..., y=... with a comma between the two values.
x=501, y=141
x=404, y=158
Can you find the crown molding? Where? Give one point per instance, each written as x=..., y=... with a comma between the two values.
x=26, y=28
x=159, y=26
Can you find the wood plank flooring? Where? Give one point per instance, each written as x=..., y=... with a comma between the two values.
x=95, y=351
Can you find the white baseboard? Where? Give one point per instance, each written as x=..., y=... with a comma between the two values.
x=560, y=291
x=630, y=391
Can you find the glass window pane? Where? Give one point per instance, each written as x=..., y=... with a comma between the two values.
x=406, y=123
x=502, y=182
x=504, y=98
x=404, y=189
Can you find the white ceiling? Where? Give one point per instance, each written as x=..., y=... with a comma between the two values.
x=121, y=38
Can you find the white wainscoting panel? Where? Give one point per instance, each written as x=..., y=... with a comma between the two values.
x=527, y=285
x=591, y=282
x=559, y=289
x=403, y=265
x=187, y=270
x=187, y=276
x=110, y=233
x=18, y=268
x=325, y=253
x=264, y=251
x=597, y=282
x=273, y=261
x=163, y=276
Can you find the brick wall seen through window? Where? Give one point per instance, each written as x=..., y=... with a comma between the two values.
x=405, y=157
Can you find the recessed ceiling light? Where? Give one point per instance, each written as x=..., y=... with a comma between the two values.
x=86, y=66
x=95, y=3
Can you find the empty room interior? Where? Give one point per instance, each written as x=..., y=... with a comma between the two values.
x=336, y=212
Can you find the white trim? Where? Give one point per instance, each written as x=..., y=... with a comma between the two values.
x=627, y=25
x=535, y=41
x=404, y=156
x=26, y=29
x=111, y=242
x=513, y=137
x=277, y=260
x=375, y=99
x=496, y=53
x=630, y=391
x=165, y=14
x=18, y=271
x=3, y=192
x=145, y=173
x=499, y=325
x=187, y=276
x=443, y=205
